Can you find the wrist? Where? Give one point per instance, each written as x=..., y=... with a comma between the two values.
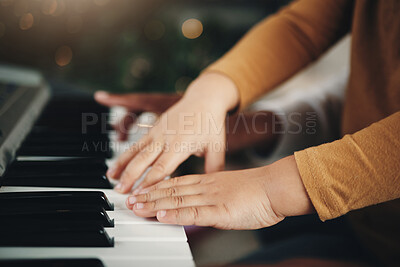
x=215, y=90
x=285, y=189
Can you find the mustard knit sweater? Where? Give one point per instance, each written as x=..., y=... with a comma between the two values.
x=363, y=168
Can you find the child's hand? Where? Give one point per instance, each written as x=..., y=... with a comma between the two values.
x=246, y=199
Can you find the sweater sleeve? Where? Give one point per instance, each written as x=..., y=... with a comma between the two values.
x=356, y=171
x=282, y=44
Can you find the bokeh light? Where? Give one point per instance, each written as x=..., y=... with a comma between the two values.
x=63, y=55
x=122, y=45
x=140, y=67
x=49, y=7
x=26, y=21
x=2, y=29
x=192, y=28
x=154, y=30
x=59, y=9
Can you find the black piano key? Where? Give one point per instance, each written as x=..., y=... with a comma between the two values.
x=76, y=120
x=67, y=262
x=71, y=165
x=72, y=128
x=60, y=217
x=90, y=149
x=54, y=235
x=59, y=180
x=19, y=208
x=65, y=105
x=71, y=174
x=52, y=171
x=62, y=174
x=62, y=130
x=65, y=138
x=59, y=199
x=69, y=107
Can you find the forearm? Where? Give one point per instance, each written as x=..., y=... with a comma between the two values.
x=214, y=90
x=308, y=107
x=326, y=178
x=282, y=44
x=286, y=190
x=356, y=171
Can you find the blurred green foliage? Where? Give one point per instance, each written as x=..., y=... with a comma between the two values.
x=124, y=45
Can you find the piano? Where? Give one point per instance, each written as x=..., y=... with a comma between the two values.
x=57, y=207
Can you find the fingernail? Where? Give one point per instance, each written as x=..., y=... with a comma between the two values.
x=131, y=200
x=119, y=187
x=111, y=172
x=102, y=94
x=161, y=213
x=137, y=190
x=139, y=206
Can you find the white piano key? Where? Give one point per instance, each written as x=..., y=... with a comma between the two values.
x=108, y=192
x=148, y=263
x=114, y=197
x=128, y=217
x=121, y=214
x=147, y=233
x=118, y=201
x=123, y=218
x=138, y=241
x=44, y=158
x=122, y=250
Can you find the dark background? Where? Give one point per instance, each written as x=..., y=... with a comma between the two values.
x=123, y=45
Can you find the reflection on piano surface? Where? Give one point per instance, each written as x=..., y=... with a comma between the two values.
x=57, y=208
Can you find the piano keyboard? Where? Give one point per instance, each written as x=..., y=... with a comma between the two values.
x=137, y=241
x=58, y=209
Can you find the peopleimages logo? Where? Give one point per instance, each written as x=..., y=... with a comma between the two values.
x=201, y=124
x=206, y=124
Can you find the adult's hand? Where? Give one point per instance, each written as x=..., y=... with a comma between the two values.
x=245, y=199
x=247, y=129
x=195, y=125
x=135, y=104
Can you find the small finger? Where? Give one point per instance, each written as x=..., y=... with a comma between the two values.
x=173, y=182
x=185, y=190
x=201, y=216
x=143, y=214
x=170, y=203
